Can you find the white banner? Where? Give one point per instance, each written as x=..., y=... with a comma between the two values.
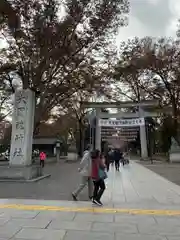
x=122, y=123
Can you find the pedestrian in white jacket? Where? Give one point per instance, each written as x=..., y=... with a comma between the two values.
x=85, y=171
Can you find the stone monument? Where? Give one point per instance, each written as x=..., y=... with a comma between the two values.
x=174, y=153
x=20, y=164
x=22, y=128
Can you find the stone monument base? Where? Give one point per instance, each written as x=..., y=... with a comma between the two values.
x=72, y=157
x=174, y=157
x=31, y=173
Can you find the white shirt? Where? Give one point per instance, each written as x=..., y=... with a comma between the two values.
x=86, y=164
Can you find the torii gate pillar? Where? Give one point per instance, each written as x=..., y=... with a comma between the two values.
x=143, y=137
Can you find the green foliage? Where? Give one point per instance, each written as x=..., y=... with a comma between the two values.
x=166, y=132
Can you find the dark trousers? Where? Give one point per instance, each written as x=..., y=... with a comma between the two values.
x=99, y=187
x=123, y=161
x=42, y=163
x=117, y=164
x=107, y=165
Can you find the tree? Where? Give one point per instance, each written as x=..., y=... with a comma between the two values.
x=149, y=67
x=77, y=115
x=5, y=94
x=10, y=16
x=132, y=72
x=166, y=133
x=52, y=52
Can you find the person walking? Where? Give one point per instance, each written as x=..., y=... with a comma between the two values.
x=98, y=175
x=42, y=157
x=117, y=157
x=85, y=172
x=123, y=161
x=111, y=157
x=108, y=159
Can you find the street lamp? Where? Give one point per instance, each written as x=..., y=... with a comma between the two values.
x=58, y=145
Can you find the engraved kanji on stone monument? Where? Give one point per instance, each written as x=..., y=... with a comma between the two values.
x=22, y=128
x=20, y=109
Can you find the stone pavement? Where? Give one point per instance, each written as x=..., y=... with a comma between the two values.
x=138, y=205
x=168, y=170
x=57, y=187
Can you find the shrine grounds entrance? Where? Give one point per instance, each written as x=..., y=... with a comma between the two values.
x=120, y=133
x=123, y=126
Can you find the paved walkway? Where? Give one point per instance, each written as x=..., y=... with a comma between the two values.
x=138, y=205
x=57, y=187
x=168, y=170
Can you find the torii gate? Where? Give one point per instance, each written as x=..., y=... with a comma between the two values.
x=141, y=112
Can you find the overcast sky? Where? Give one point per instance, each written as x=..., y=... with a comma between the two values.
x=151, y=18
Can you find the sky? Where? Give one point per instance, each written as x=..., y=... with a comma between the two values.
x=154, y=18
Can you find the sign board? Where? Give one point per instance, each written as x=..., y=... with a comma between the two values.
x=119, y=139
x=122, y=123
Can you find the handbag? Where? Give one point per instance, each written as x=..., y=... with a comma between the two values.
x=102, y=174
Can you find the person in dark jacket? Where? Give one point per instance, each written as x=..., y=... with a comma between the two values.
x=117, y=158
x=108, y=159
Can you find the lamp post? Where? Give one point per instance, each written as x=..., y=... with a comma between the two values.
x=58, y=145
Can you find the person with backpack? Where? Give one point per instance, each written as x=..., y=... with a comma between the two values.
x=85, y=172
x=98, y=176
